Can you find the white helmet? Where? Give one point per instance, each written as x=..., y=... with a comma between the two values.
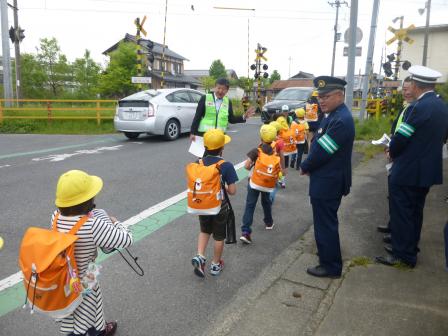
x=285, y=108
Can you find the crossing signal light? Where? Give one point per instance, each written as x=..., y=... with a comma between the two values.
x=16, y=35
x=391, y=57
x=406, y=65
x=387, y=69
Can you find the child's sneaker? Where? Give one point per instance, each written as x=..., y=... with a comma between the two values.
x=215, y=269
x=198, y=263
x=245, y=238
x=269, y=226
x=282, y=184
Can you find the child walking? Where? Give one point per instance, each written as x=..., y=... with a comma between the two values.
x=300, y=130
x=206, y=197
x=266, y=167
x=75, y=196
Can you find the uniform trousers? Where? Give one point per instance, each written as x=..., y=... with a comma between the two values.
x=406, y=205
x=325, y=216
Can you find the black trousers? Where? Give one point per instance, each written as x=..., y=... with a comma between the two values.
x=406, y=205
x=325, y=216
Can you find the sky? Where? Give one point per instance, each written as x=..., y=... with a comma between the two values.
x=297, y=33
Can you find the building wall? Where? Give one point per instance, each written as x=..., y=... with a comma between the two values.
x=437, y=52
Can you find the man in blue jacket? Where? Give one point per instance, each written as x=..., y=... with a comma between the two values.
x=329, y=167
x=416, y=151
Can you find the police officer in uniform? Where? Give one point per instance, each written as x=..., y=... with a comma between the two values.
x=329, y=166
x=215, y=111
x=416, y=151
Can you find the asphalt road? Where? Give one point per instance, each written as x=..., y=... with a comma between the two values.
x=169, y=299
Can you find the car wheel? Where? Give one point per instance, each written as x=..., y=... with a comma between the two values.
x=131, y=135
x=172, y=130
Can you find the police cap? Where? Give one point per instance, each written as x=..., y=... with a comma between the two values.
x=325, y=84
x=424, y=74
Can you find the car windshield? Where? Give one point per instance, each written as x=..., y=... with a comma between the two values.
x=293, y=94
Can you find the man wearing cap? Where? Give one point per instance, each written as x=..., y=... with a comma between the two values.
x=329, y=166
x=215, y=111
x=416, y=150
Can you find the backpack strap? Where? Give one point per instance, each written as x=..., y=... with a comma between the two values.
x=75, y=227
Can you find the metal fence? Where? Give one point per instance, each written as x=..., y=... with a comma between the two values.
x=373, y=106
x=57, y=109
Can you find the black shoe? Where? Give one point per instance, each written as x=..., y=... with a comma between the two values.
x=383, y=228
x=388, y=249
x=292, y=165
x=321, y=272
x=390, y=260
x=387, y=239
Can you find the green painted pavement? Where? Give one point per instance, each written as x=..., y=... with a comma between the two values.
x=14, y=297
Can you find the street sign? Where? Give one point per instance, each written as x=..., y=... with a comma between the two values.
x=358, y=35
x=400, y=34
x=141, y=80
x=358, y=51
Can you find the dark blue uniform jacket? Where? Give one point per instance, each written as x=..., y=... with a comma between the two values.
x=330, y=159
x=416, y=147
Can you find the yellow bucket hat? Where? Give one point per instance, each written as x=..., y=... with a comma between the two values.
x=283, y=123
x=75, y=187
x=268, y=133
x=300, y=112
x=215, y=138
x=276, y=124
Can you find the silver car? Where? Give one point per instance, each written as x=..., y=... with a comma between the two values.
x=168, y=112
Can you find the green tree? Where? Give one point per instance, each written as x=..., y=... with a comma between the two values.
x=246, y=83
x=217, y=70
x=115, y=81
x=34, y=78
x=208, y=83
x=274, y=76
x=55, y=65
x=442, y=89
x=86, y=76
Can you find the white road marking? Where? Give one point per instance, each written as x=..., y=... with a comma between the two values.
x=62, y=157
x=14, y=279
x=5, y=166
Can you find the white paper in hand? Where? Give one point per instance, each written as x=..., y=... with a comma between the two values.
x=384, y=140
x=197, y=147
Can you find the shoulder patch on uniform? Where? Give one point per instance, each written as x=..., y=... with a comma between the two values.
x=328, y=144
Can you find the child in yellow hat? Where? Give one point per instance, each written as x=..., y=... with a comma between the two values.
x=265, y=167
x=214, y=142
x=300, y=130
x=75, y=199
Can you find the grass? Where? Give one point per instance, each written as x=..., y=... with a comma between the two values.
x=360, y=261
x=368, y=150
x=371, y=128
x=30, y=126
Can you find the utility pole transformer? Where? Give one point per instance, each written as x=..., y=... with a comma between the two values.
x=338, y=4
x=6, y=60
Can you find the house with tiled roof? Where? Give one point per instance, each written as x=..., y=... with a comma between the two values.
x=174, y=75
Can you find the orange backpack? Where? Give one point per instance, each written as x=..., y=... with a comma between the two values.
x=298, y=130
x=50, y=274
x=311, y=112
x=289, y=140
x=204, y=195
x=265, y=173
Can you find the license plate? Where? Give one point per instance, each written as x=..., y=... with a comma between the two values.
x=132, y=115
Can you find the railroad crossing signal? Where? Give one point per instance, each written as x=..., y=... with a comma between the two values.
x=260, y=53
x=400, y=35
x=139, y=25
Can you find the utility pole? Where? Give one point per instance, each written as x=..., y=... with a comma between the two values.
x=17, y=50
x=6, y=60
x=425, y=44
x=351, y=54
x=338, y=4
x=369, y=61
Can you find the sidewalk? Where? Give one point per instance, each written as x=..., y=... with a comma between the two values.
x=369, y=299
